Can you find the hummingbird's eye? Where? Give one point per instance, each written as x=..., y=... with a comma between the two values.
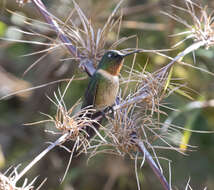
x=112, y=54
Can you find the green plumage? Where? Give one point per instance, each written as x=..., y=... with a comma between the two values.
x=102, y=90
x=91, y=91
x=104, y=84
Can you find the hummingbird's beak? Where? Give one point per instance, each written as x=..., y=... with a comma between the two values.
x=135, y=51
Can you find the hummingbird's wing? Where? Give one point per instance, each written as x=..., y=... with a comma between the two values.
x=89, y=99
x=90, y=94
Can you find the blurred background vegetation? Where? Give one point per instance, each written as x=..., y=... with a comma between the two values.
x=19, y=143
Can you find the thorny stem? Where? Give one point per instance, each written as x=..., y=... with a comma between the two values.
x=42, y=9
x=59, y=141
x=88, y=66
x=188, y=50
x=152, y=164
x=131, y=101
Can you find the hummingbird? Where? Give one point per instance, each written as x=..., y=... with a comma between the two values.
x=104, y=84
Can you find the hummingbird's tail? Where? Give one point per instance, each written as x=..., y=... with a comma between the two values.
x=98, y=118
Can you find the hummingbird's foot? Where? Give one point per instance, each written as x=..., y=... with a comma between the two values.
x=133, y=136
x=99, y=114
x=109, y=110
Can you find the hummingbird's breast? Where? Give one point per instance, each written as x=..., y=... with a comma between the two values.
x=107, y=90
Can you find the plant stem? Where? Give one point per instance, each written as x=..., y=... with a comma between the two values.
x=152, y=164
x=40, y=156
x=88, y=66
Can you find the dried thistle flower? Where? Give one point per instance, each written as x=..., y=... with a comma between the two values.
x=9, y=182
x=5, y=183
x=149, y=88
x=72, y=122
x=91, y=43
x=201, y=29
x=121, y=131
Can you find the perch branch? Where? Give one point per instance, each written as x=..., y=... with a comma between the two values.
x=152, y=164
x=40, y=156
x=87, y=65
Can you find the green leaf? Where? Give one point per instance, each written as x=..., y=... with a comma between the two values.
x=3, y=28
x=181, y=92
x=187, y=133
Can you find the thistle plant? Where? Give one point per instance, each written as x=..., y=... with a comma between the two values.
x=133, y=125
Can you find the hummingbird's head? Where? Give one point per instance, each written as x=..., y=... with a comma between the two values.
x=112, y=61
